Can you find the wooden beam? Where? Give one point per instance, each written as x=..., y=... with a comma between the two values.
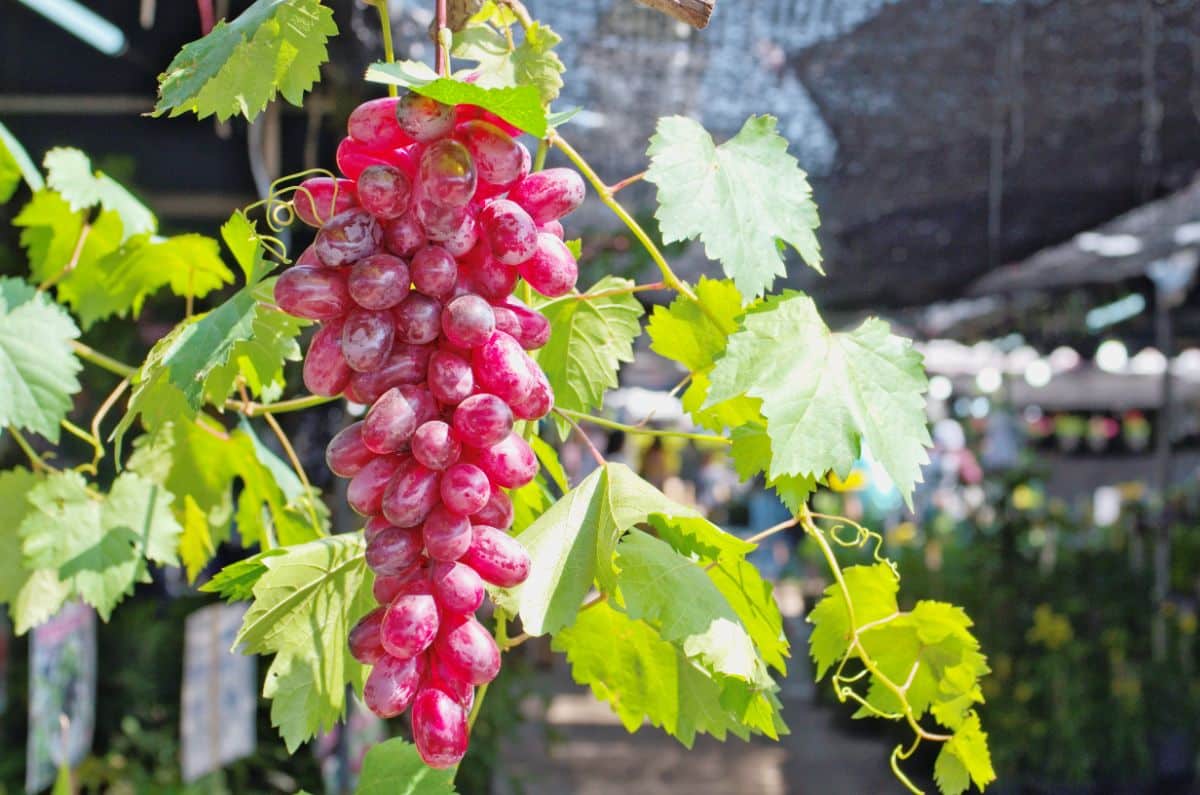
x=694, y=12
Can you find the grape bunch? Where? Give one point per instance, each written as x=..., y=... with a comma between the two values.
x=419, y=247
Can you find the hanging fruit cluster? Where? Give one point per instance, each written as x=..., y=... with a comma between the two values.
x=420, y=246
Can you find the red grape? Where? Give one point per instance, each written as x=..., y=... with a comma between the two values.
x=467, y=321
x=450, y=377
x=325, y=369
x=418, y=319
x=409, y=625
x=468, y=650
x=318, y=199
x=550, y=194
x=465, y=489
x=497, y=512
x=348, y=236
x=346, y=454
x=509, y=463
x=482, y=420
x=411, y=495
x=447, y=174
x=367, y=339
x=510, y=231
x=424, y=119
x=439, y=728
x=366, y=645
x=353, y=156
x=404, y=235
x=392, y=685
x=435, y=445
x=383, y=190
x=373, y=124
x=457, y=588
x=498, y=557
x=500, y=368
x=552, y=269
x=379, y=281
x=434, y=272
x=312, y=293
x=497, y=156
x=365, y=491
x=389, y=423
x=392, y=551
x=447, y=534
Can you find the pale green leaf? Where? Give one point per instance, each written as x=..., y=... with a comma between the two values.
x=828, y=394
x=695, y=334
x=532, y=62
x=17, y=158
x=751, y=453
x=50, y=231
x=395, y=768
x=235, y=582
x=589, y=339
x=873, y=593
x=964, y=758
x=740, y=198
x=33, y=595
x=304, y=605
x=69, y=171
x=273, y=47
x=37, y=365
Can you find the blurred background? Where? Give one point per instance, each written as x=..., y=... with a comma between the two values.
x=1013, y=183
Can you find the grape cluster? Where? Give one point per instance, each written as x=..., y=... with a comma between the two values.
x=411, y=275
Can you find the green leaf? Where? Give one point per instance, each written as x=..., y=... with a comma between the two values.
x=518, y=105
x=873, y=593
x=15, y=156
x=304, y=605
x=69, y=171
x=533, y=62
x=589, y=339
x=235, y=582
x=548, y=458
x=273, y=47
x=49, y=234
x=99, y=544
x=751, y=454
x=33, y=595
x=395, y=768
x=643, y=677
x=652, y=577
x=573, y=543
x=964, y=758
x=37, y=364
x=740, y=198
x=828, y=394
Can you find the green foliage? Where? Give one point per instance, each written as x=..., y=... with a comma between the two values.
x=964, y=759
x=826, y=394
x=273, y=47
x=304, y=605
x=589, y=339
x=98, y=544
x=518, y=105
x=37, y=366
x=69, y=171
x=32, y=595
x=15, y=165
x=740, y=198
x=488, y=41
x=395, y=768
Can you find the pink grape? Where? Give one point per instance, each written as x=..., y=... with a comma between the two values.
x=539, y=401
x=413, y=580
x=346, y=453
x=392, y=685
x=451, y=379
x=439, y=728
x=497, y=156
x=466, y=113
x=312, y=293
x=384, y=190
x=440, y=222
x=491, y=279
x=497, y=557
x=404, y=235
x=406, y=364
x=325, y=370
x=418, y=319
x=447, y=174
x=373, y=124
x=411, y=494
x=549, y=194
x=424, y=406
x=447, y=535
x=308, y=258
x=348, y=236
x=367, y=339
x=509, y=463
x=353, y=156
x=497, y=512
x=468, y=650
x=394, y=550
x=379, y=281
x=533, y=329
x=389, y=423
x=442, y=678
x=435, y=445
x=318, y=199
x=434, y=272
x=465, y=489
x=409, y=625
x=552, y=269
x=467, y=321
x=366, y=645
x=465, y=237
x=482, y=420
x=374, y=526
x=500, y=368
x=553, y=228
x=457, y=588
x=365, y=491
x=424, y=119
x=511, y=233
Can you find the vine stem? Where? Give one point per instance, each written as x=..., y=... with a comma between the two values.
x=539, y=159
x=806, y=521
x=385, y=26
x=625, y=183
x=82, y=435
x=35, y=460
x=71, y=263
x=524, y=636
x=670, y=278
x=102, y=412
x=637, y=288
x=252, y=409
x=89, y=354
x=441, y=52
x=294, y=459
x=583, y=435
x=620, y=426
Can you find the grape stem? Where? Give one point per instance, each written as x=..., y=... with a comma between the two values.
x=82, y=435
x=582, y=435
x=89, y=354
x=385, y=27
x=35, y=460
x=71, y=263
x=294, y=459
x=670, y=278
x=539, y=159
x=252, y=409
x=625, y=183
x=569, y=415
x=442, y=48
x=102, y=412
x=637, y=288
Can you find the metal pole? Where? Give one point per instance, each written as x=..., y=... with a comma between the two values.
x=1164, y=338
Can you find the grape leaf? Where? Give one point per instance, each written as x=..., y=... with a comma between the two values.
x=304, y=605
x=517, y=105
x=652, y=577
x=643, y=677
x=827, y=394
x=16, y=163
x=32, y=595
x=964, y=758
x=873, y=592
x=69, y=171
x=395, y=768
x=573, y=543
x=751, y=454
x=235, y=582
x=589, y=339
x=533, y=62
x=740, y=198
x=49, y=234
x=37, y=364
x=99, y=544
x=273, y=47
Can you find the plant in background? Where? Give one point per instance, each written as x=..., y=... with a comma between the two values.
x=437, y=217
